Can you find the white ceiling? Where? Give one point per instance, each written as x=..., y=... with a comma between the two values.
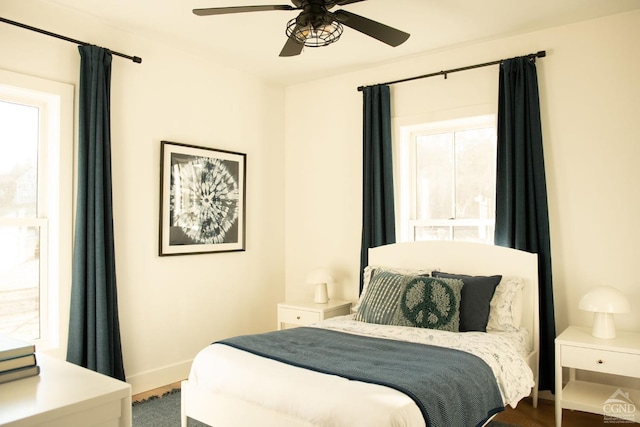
x=252, y=41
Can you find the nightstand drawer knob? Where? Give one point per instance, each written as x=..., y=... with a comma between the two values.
x=298, y=317
x=600, y=361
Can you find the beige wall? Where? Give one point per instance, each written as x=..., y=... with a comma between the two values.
x=171, y=307
x=590, y=99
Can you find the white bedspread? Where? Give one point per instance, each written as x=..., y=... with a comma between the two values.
x=328, y=400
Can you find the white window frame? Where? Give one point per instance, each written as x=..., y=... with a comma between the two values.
x=406, y=130
x=55, y=204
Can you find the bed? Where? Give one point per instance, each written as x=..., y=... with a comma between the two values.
x=234, y=384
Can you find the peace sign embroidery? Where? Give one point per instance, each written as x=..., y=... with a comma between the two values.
x=429, y=303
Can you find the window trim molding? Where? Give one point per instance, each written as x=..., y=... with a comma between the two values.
x=58, y=100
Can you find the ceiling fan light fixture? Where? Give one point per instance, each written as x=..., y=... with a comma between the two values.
x=314, y=36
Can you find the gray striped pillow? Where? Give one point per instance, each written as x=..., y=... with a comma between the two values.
x=381, y=300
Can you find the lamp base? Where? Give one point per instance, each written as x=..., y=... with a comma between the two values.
x=321, y=296
x=603, y=326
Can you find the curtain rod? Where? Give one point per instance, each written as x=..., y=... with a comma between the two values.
x=135, y=59
x=540, y=54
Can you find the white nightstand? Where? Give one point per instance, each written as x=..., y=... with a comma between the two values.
x=576, y=348
x=306, y=313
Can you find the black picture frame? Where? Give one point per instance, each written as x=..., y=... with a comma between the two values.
x=202, y=200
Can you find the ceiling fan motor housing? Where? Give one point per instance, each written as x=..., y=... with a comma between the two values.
x=314, y=14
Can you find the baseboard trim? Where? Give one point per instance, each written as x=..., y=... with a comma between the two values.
x=160, y=377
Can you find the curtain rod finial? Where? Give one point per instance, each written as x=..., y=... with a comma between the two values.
x=137, y=59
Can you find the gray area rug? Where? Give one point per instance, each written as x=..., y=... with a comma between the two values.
x=161, y=411
x=165, y=412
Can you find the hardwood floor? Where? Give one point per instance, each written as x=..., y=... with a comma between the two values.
x=525, y=415
x=157, y=392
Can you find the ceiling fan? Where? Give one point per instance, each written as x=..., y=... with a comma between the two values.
x=316, y=26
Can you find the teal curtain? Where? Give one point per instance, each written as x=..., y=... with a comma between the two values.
x=522, y=218
x=94, y=331
x=378, y=216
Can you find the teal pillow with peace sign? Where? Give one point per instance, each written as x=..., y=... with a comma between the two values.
x=428, y=302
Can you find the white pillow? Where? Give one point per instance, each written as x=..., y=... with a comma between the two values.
x=505, y=313
x=368, y=272
x=517, y=308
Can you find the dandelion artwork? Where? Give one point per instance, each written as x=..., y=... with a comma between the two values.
x=203, y=200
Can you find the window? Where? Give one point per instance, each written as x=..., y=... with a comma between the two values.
x=448, y=173
x=36, y=165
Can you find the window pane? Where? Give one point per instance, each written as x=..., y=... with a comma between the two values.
x=18, y=160
x=432, y=233
x=475, y=173
x=434, y=176
x=19, y=282
x=480, y=234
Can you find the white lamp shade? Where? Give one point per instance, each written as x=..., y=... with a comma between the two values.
x=320, y=277
x=604, y=301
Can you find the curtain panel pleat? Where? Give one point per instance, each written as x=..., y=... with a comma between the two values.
x=378, y=215
x=94, y=331
x=522, y=218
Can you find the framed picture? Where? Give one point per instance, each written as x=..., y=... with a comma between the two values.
x=202, y=200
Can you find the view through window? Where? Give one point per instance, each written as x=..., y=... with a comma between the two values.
x=448, y=183
x=21, y=228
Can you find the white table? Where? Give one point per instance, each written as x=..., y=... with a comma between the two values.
x=306, y=313
x=65, y=395
x=576, y=348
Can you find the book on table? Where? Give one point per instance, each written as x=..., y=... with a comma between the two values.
x=17, y=362
x=17, y=359
x=11, y=348
x=16, y=374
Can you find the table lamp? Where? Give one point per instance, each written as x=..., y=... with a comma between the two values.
x=604, y=301
x=320, y=277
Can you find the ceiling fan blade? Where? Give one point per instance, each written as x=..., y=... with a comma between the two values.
x=330, y=4
x=291, y=48
x=239, y=9
x=343, y=2
x=384, y=33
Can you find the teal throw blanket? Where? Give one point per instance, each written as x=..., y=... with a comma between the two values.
x=451, y=387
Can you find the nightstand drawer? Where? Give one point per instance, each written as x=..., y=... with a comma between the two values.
x=297, y=316
x=601, y=361
x=304, y=313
